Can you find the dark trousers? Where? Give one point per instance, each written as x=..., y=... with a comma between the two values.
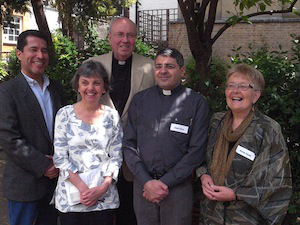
x=104, y=217
x=35, y=212
x=175, y=209
x=125, y=213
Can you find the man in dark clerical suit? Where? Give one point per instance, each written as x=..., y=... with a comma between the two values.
x=28, y=104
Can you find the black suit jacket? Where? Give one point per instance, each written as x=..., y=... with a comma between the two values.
x=25, y=139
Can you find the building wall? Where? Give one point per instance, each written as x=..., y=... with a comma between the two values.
x=25, y=26
x=28, y=22
x=51, y=16
x=152, y=5
x=259, y=34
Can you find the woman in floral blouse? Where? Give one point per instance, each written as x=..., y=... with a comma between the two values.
x=87, y=145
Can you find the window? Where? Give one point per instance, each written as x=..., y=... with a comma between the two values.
x=12, y=30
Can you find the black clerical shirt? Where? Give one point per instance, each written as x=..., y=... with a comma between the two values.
x=165, y=134
x=120, y=83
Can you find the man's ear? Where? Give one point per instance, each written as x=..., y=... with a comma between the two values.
x=109, y=35
x=182, y=71
x=19, y=53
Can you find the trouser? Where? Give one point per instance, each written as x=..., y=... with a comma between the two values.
x=35, y=212
x=104, y=217
x=125, y=213
x=175, y=209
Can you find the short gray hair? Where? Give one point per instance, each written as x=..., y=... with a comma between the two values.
x=88, y=69
x=119, y=18
x=249, y=72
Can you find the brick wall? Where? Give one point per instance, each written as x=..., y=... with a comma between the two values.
x=260, y=33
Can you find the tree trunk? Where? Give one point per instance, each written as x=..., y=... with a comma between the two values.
x=199, y=41
x=40, y=17
x=65, y=10
x=202, y=55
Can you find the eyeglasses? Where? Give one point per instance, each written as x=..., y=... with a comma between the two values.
x=122, y=35
x=242, y=86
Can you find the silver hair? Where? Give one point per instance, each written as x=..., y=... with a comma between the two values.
x=119, y=18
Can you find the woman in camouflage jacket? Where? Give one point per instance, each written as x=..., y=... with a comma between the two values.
x=247, y=179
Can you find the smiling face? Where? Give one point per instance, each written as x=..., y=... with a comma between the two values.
x=91, y=88
x=168, y=74
x=122, y=38
x=34, y=58
x=241, y=101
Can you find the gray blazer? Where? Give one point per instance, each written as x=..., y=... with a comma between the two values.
x=25, y=140
x=142, y=77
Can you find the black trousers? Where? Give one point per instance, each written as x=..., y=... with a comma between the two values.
x=104, y=217
x=125, y=213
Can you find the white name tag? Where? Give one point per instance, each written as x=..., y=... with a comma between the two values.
x=245, y=152
x=179, y=128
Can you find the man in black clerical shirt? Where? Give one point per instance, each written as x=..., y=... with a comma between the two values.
x=164, y=141
x=120, y=82
x=129, y=74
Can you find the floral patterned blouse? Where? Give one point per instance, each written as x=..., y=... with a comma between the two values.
x=80, y=148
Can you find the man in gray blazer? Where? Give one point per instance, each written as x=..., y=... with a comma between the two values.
x=28, y=104
x=129, y=74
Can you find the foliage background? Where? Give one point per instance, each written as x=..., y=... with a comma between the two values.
x=68, y=58
x=280, y=99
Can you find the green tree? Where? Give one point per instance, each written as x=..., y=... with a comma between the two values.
x=8, y=7
x=200, y=19
x=69, y=58
x=72, y=13
x=22, y=6
x=78, y=14
x=3, y=71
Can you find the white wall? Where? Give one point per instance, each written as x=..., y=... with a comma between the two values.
x=51, y=16
x=157, y=4
x=153, y=4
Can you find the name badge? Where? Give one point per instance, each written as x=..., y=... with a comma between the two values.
x=179, y=128
x=245, y=152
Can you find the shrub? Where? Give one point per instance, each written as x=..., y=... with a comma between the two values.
x=68, y=57
x=13, y=66
x=145, y=49
x=213, y=87
x=3, y=71
x=96, y=46
x=65, y=65
x=62, y=68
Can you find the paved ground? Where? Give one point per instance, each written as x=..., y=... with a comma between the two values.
x=3, y=204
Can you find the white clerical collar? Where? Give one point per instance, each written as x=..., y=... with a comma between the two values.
x=167, y=92
x=121, y=63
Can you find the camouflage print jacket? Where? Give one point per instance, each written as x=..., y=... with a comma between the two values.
x=263, y=186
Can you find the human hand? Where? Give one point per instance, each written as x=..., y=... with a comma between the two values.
x=221, y=194
x=155, y=191
x=207, y=182
x=51, y=172
x=90, y=196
